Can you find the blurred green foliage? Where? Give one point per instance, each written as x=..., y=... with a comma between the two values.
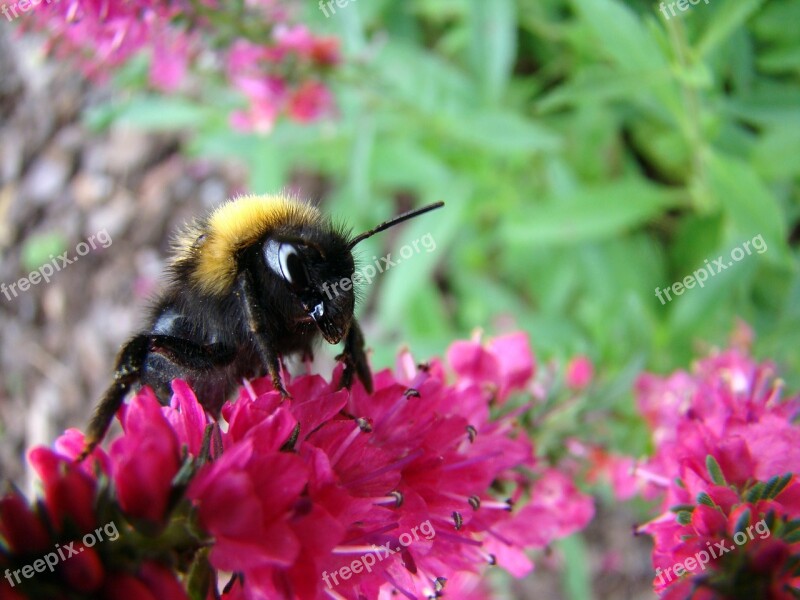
x=588, y=151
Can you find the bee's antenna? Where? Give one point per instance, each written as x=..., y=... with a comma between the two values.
x=392, y=222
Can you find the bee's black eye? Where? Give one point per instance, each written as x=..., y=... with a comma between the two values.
x=285, y=260
x=292, y=267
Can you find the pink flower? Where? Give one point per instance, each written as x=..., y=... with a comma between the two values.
x=152, y=582
x=263, y=487
x=309, y=102
x=297, y=39
x=579, y=372
x=186, y=417
x=145, y=459
x=556, y=510
x=616, y=470
x=20, y=528
x=69, y=493
x=504, y=366
x=70, y=445
x=270, y=91
x=726, y=463
x=84, y=571
x=99, y=36
x=415, y=459
x=170, y=61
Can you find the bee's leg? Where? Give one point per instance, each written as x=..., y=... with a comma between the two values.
x=256, y=322
x=127, y=370
x=191, y=355
x=355, y=359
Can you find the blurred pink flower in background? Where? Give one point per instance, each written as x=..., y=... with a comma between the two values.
x=101, y=35
x=269, y=76
x=282, y=74
x=580, y=371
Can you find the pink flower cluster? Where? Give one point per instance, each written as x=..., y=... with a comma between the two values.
x=293, y=491
x=727, y=459
x=102, y=35
x=283, y=73
x=44, y=550
x=265, y=74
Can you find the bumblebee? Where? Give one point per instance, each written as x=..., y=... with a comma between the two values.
x=245, y=288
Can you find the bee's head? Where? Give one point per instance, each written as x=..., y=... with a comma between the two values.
x=313, y=272
x=313, y=263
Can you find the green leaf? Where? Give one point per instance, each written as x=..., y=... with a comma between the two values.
x=601, y=83
x=752, y=209
x=793, y=525
x=772, y=104
x=423, y=81
x=792, y=538
x=621, y=35
x=200, y=576
x=756, y=492
x=494, y=44
x=742, y=522
x=724, y=23
x=402, y=163
x=775, y=153
x=267, y=167
x=503, y=133
x=401, y=282
x=715, y=471
x=591, y=214
x=704, y=498
x=575, y=577
x=776, y=485
x=185, y=473
x=792, y=566
x=770, y=22
x=780, y=60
